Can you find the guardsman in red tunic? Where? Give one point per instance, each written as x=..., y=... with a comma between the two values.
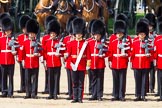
x=97, y=50
x=7, y=52
x=89, y=70
x=21, y=38
x=30, y=56
x=44, y=40
x=158, y=59
x=119, y=52
x=79, y=54
x=152, y=34
x=66, y=41
x=140, y=59
x=53, y=58
x=2, y=15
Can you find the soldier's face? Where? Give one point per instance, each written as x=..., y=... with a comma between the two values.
x=24, y=30
x=150, y=28
x=142, y=36
x=8, y=32
x=32, y=35
x=97, y=37
x=78, y=36
x=52, y=35
x=120, y=35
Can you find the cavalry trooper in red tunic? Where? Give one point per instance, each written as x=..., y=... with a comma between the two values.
x=140, y=59
x=119, y=52
x=79, y=54
x=97, y=50
x=7, y=62
x=66, y=42
x=43, y=60
x=53, y=58
x=21, y=38
x=30, y=56
x=152, y=34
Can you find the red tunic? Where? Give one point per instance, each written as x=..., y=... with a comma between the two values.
x=138, y=56
x=7, y=58
x=30, y=60
x=44, y=40
x=118, y=58
x=73, y=52
x=96, y=61
x=21, y=38
x=52, y=59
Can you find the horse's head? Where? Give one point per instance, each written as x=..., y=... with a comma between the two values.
x=63, y=6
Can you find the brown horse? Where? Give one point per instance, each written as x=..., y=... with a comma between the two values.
x=63, y=12
x=91, y=10
x=42, y=10
x=5, y=5
x=153, y=5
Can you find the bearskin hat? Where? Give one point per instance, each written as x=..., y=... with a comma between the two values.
x=69, y=24
x=123, y=17
x=120, y=26
x=48, y=19
x=90, y=25
x=53, y=26
x=32, y=26
x=3, y=15
x=78, y=26
x=98, y=27
x=7, y=24
x=159, y=19
x=142, y=26
x=23, y=20
x=152, y=19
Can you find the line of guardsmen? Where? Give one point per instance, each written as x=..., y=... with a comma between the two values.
x=81, y=56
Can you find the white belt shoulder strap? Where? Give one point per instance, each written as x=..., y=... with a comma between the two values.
x=75, y=66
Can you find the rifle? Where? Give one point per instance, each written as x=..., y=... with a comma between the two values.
x=152, y=37
x=60, y=44
x=146, y=46
x=124, y=46
x=101, y=47
x=36, y=43
x=13, y=44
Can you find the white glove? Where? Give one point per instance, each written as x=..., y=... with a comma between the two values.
x=110, y=65
x=41, y=59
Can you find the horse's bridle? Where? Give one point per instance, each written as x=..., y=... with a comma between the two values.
x=89, y=10
x=61, y=9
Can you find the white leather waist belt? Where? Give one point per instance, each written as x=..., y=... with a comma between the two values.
x=160, y=55
x=119, y=55
x=6, y=51
x=142, y=55
x=30, y=55
x=52, y=53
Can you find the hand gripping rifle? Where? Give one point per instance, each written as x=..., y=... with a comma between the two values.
x=13, y=44
x=124, y=45
x=146, y=46
x=60, y=44
x=102, y=48
x=36, y=43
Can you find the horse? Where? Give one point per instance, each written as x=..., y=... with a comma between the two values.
x=91, y=11
x=64, y=12
x=42, y=10
x=152, y=5
x=5, y=5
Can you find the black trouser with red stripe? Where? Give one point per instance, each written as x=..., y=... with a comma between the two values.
x=69, y=78
x=140, y=76
x=22, y=77
x=78, y=84
x=90, y=80
x=53, y=80
x=46, y=89
x=7, y=74
x=119, y=82
x=97, y=83
x=31, y=81
x=152, y=77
